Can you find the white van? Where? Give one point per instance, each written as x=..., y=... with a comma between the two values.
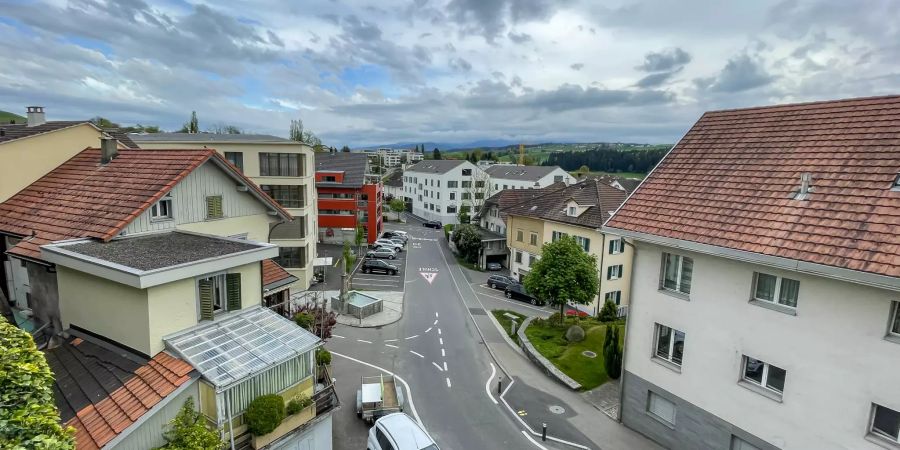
x=398, y=431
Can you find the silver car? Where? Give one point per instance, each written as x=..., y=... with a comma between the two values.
x=383, y=253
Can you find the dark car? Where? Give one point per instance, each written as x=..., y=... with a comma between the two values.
x=499, y=281
x=433, y=224
x=518, y=292
x=377, y=265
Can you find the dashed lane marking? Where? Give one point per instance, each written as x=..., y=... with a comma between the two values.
x=442, y=341
x=429, y=329
x=448, y=381
x=411, y=337
x=339, y=337
x=435, y=322
x=391, y=346
x=443, y=355
x=522, y=413
x=439, y=331
x=364, y=341
x=435, y=314
x=437, y=366
x=445, y=366
x=417, y=354
x=391, y=340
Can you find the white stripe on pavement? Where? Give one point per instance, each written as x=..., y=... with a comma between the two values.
x=363, y=340
x=391, y=346
x=409, y=397
x=448, y=381
x=411, y=337
x=533, y=441
x=487, y=384
x=437, y=366
x=417, y=354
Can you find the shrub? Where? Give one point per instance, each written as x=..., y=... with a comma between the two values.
x=575, y=334
x=264, y=414
x=447, y=229
x=323, y=357
x=28, y=417
x=609, y=312
x=297, y=404
x=188, y=430
x=304, y=319
x=612, y=354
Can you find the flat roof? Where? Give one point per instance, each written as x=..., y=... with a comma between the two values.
x=208, y=137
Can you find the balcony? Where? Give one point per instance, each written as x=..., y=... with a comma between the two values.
x=362, y=204
x=323, y=402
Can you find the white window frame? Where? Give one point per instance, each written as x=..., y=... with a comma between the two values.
x=764, y=384
x=614, y=272
x=613, y=296
x=776, y=295
x=670, y=358
x=220, y=292
x=581, y=241
x=533, y=239
x=154, y=210
x=893, y=319
x=572, y=211
x=616, y=246
x=879, y=434
x=679, y=273
x=650, y=397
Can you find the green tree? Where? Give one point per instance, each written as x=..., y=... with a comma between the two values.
x=463, y=215
x=564, y=274
x=188, y=431
x=349, y=259
x=102, y=122
x=28, y=416
x=612, y=353
x=360, y=236
x=467, y=241
x=345, y=149
x=192, y=126
x=397, y=205
x=436, y=154
x=609, y=312
x=583, y=170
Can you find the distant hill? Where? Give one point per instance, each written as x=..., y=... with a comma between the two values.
x=6, y=117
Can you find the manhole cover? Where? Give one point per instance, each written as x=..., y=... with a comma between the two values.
x=557, y=409
x=589, y=354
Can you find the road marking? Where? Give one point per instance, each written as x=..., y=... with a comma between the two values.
x=411, y=337
x=439, y=331
x=417, y=354
x=409, y=397
x=443, y=355
x=339, y=337
x=390, y=340
x=533, y=441
x=523, y=413
x=435, y=322
x=437, y=366
x=392, y=346
x=448, y=381
x=487, y=384
x=435, y=314
x=428, y=276
x=445, y=366
x=441, y=339
x=429, y=329
x=363, y=340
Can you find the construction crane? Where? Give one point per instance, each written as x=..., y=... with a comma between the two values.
x=521, y=154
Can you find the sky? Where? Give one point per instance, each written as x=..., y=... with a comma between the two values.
x=363, y=73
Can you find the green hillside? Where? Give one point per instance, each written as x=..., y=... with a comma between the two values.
x=6, y=117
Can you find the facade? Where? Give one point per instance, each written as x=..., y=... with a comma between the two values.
x=347, y=198
x=393, y=186
x=578, y=211
x=765, y=314
x=395, y=157
x=440, y=189
x=282, y=168
x=526, y=177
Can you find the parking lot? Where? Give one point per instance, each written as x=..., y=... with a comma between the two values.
x=379, y=281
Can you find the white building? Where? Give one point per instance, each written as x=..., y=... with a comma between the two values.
x=526, y=177
x=441, y=188
x=765, y=308
x=394, y=157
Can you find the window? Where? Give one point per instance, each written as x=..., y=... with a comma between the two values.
x=162, y=210
x=572, y=212
x=556, y=235
x=616, y=246
x=291, y=257
x=236, y=158
x=453, y=196
x=533, y=239
x=451, y=209
x=885, y=423
x=583, y=242
x=740, y=444
x=336, y=212
x=288, y=196
x=479, y=195
x=519, y=236
x=329, y=179
x=557, y=178
x=669, y=344
x=496, y=187
x=764, y=374
x=614, y=272
x=335, y=195
x=677, y=273
x=420, y=198
x=219, y=293
x=466, y=173
x=895, y=320
x=614, y=296
x=519, y=257
x=452, y=184
x=531, y=260
x=466, y=184
x=772, y=289
x=479, y=184
x=281, y=165
x=383, y=441
x=505, y=187
x=214, y=207
x=660, y=408
x=466, y=196
x=438, y=183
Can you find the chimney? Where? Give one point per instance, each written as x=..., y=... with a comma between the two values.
x=109, y=148
x=35, y=116
x=805, y=181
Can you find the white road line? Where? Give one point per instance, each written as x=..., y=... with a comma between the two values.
x=429, y=329
x=409, y=397
x=411, y=337
x=435, y=314
x=448, y=381
x=533, y=441
x=437, y=366
x=390, y=340
x=417, y=354
x=443, y=355
x=487, y=384
x=363, y=340
x=339, y=337
x=435, y=322
x=391, y=346
x=439, y=331
x=445, y=366
x=442, y=341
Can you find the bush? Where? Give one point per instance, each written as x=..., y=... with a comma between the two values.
x=323, y=357
x=264, y=414
x=304, y=319
x=297, y=404
x=609, y=312
x=28, y=416
x=447, y=229
x=188, y=430
x=555, y=318
x=612, y=354
x=575, y=334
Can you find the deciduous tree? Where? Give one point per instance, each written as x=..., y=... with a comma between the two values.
x=188, y=430
x=467, y=241
x=397, y=205
x=564, y=274
x=436, y=154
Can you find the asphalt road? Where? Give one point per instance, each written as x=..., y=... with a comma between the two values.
x=382, y=282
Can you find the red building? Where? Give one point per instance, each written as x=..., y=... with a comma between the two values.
x=346, y=198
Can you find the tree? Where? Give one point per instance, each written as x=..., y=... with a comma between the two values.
x=360, y=236
x=192, y=126
x=609, y=312
x=467, y=241
x=28, y=416
x=479, y=190
x=188, y=431
x=436, y=154
x=221, y=128
x=349, y=258
x=583, y=170
x=463, y=215
x=397, y=205
x=612, y=353
x=345, y=149
x=102, y=122
x=299, y=134
x=564, y=274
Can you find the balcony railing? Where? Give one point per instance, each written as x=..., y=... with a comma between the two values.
x=362, y=204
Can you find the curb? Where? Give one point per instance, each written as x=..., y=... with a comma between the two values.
x=543, y=362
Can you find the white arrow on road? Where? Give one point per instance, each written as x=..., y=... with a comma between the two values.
x=429, y=276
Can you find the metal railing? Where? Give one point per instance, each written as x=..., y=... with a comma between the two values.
x=622, y=311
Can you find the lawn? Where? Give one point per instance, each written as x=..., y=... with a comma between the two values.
x=549, y=339
x=500, y=315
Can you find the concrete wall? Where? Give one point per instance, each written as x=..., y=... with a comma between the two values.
x=149, y=433
x=24, y=161
x=317, y=437
x=834, y=350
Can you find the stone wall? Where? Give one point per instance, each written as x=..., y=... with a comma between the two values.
x=542, y=362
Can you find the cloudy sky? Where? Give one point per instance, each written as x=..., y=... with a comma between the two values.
x=365, y=72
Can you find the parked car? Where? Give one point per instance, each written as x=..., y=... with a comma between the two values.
x=494, y=266
x=518, y=292
x=384, y=253
x=398, y=431
x=388, y=243
x=433, y=224
x=398, y=241
x=377, y=265
x=499, y=282
x=395, y=235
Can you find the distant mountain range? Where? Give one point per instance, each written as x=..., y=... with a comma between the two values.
x=494, y=145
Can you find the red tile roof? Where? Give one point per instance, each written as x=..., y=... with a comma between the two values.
x=82, y=198
x=273, y=273
x=730, y=182
x=600, y=198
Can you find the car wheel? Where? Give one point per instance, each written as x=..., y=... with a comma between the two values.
x=509, y=295
x=393, y=272
x=366, y=270
x=534, y=302
x=392, y=257
x=493, y=286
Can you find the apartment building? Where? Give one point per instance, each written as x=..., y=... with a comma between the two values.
x=282, y=168
x=347, y=198
x=395, y=157
x=765, y=306
x=440, y=189
x=526, y=177
x=578, y=211
x=493, y=216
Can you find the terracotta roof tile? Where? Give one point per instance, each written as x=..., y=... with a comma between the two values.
x=730, y=182
x=274, y=275
x=600, y=198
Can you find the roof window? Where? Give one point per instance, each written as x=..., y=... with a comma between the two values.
x=896, y=186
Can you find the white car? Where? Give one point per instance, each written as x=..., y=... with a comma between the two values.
x=387, y=243
x=398, y=431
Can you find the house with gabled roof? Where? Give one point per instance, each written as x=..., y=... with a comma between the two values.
x=765, y=306
x=508, y=176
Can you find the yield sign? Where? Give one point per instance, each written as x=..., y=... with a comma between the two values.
x=429, y=276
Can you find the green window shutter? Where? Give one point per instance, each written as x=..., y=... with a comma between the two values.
x=233, y=287
x=214, y=207
x=206, y=299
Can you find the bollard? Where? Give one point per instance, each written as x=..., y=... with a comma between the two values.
x=500, y=385
x=512, y=327
x=544, y=432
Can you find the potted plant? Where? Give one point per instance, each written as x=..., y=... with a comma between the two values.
x=323, y=363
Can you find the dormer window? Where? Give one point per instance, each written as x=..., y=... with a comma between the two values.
x=162, y=210
x=896, y=186
x=572, y=212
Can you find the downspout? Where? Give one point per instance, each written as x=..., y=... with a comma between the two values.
x=600, y=284
x=230, y=418
x=627, y=327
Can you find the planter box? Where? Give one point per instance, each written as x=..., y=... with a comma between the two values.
x=288, y=425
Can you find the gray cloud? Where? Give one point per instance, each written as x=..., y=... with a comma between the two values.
x=519, y=38
x=489, y=18
x=667, y=59
x=741, y=73
x=460, y=64
x=656, y=79
x=577, y=66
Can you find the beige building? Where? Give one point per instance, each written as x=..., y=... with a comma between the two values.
x=283, y=169
x=577, y=211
